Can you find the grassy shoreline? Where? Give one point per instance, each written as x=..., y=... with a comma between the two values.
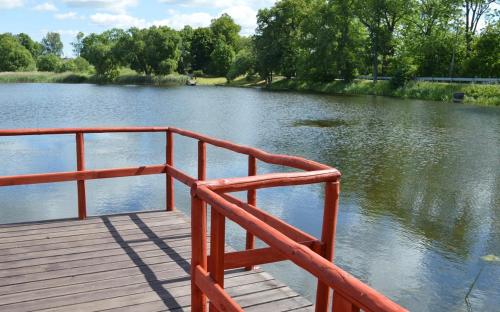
x=486, y=95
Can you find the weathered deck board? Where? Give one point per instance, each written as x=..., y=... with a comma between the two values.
x=130, y=262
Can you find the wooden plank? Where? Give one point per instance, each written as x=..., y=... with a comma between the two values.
x=88, y=227
x=126, y=234
x=105, y=267
x=176, y=296
x=172, y=232
x=83, y=249
x=149, y=257
x=169, y=276
x=90, y=220
x=127, y=266
x=83, y=232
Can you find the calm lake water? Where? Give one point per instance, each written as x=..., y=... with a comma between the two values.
x=420, y=202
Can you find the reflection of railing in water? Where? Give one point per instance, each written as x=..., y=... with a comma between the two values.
x=285, y=241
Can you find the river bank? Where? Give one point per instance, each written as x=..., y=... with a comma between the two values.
x=477, y=94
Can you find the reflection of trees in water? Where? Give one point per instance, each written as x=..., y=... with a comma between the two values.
x=425, y=168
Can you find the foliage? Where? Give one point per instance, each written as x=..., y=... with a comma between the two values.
x=224, y=28
x=17, y=77
x=221, y=58
x=244, y=62
x=33, y=47
x=78, y=43
x=202, y=45
x=48, y=63
x=484, y=60
x=277, y=38
x=98, y=50
x=52, y=44
x=153, y=50
x=13, y=55
x=76, y=65
x=185, y=58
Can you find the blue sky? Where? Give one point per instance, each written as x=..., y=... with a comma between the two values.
x=68, y=17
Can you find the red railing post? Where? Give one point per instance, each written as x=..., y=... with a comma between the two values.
x=80, y=166
x=331, y=205
x=198, y=250
x=251, y=200
x=202, y=161
x=170, y=179
x=341, y=304
x=217, y=243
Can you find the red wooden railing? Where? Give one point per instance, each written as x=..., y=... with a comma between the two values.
x=284, y=241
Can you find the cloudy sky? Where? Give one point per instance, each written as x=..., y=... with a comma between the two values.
x=70, y=16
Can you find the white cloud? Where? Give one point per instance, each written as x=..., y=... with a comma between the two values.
x=45, y=7
x=115, y=6
x=117, y=20
x=62, y=32
x=244, y=16
x=178, y=21
x=242, y=11
x=67, y=16
x=220, y=3
x=11, y=4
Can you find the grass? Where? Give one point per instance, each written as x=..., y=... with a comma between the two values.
x=68, y=77
x=474, y=93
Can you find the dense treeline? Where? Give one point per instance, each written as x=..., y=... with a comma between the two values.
x=313, y=40
x=323, y=40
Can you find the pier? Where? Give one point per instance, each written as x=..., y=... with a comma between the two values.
x=163, y=261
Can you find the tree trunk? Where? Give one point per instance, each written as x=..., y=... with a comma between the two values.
x=374, y=57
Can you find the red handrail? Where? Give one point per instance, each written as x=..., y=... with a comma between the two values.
x=285, y=241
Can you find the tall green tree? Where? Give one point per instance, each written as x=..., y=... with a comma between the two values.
x=224, y=28
x=185, y=60
x=484, y=60
x=430, y=39
x=149, y=51
x=52, y=44
x=98, y=50
x=32, y=46
x=13, y=55
x=202, y=45
x=474, y=10
x=331, y=41
x=221, y=58
x=78, y=43
x=277, y=38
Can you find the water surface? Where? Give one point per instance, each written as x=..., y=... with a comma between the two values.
x=420, y=201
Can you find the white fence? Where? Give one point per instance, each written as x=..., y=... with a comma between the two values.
x=443, y=79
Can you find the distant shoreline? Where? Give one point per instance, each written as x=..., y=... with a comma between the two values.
x=477, y=94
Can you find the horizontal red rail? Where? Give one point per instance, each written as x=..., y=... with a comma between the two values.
x=44, y=131
x=351, y=288
x=272, y=180
x=285, y=241
x=95, y=174
x=283, y=160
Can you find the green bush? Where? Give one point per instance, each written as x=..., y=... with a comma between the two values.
x=48, y=63
x=76, y=65
x=403, y=73
x=198, y=73
x=13, y=56
x=167, y=67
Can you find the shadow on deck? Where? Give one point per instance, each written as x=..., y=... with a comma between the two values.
x=129, y=262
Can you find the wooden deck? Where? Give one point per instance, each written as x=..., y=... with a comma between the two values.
x=130, y=262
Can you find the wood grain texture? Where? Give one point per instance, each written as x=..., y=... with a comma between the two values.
x=129, y=262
